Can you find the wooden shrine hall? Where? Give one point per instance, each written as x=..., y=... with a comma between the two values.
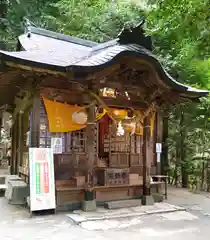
x=103, y=103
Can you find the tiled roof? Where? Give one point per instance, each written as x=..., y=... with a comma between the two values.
x=63, y=53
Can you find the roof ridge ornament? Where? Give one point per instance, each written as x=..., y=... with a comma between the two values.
x=28, y=24
x=135, y=35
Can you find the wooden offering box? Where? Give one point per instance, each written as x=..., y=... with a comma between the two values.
x=113, y=176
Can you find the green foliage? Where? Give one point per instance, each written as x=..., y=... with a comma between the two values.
x=94, y=20
x=182, y=34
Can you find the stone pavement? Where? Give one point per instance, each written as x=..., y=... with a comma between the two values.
x=189, y=201
x=106, y=214
x=15, y=223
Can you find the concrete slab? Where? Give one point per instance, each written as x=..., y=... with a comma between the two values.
x=158, y=208
x=76, y=218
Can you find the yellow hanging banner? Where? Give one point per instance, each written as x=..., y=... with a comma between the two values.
x=65, y=117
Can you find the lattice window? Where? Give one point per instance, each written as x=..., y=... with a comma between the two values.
x=45, y=135
x=78, y=141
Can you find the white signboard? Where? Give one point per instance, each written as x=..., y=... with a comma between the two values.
x=158, y=147
x=158, y=157
x=56, y=145
x=42, y=181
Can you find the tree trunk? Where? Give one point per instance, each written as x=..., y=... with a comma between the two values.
x=208, y=175
x=183, y=151
x=177, y=162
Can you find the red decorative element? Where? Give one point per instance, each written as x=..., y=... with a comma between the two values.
x=100, y=110
x=46, y=178
x=103, y=130
x=130, y=113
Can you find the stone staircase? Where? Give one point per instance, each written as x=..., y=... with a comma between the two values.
x=2, y=185
x=14, y=189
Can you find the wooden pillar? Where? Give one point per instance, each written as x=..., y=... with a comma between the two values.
x=146, y=199
x=14, y=146
x=1, y=116
x=19, y=141
x=159, y=131
x=146, y=138
x=89, y=204
x=164, y=157
x=35, y=121
x=90, y=142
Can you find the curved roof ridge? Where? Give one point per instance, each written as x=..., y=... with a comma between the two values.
x=59, y=36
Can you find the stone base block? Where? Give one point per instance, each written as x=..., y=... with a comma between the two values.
x=17, y=192
x=89, y=206
x=147, y=200
x=2, y=179
x=122, y=204
x=157, y=197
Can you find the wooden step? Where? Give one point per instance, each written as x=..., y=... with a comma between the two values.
x=122, y=204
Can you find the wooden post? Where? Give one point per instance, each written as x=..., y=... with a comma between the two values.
x=89, y=204
x=14, y=146
x=1, y=117
x=147, y=198
x=35, y=121
x=90, y=142
x=20, y=140
x=158, y=139
x=164, y=156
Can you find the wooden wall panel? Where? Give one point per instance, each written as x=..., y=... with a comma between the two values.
x=71, y=196
x=110, y=194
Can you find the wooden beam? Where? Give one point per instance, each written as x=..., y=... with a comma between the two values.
x=20, y=140
x=145, y=150
x=90, y=130
x=158, y=139
x=14, y=147
x=23, y=104
x=72, y=97
x=35, y=120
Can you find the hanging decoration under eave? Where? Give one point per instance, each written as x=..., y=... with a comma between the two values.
x=67, y=118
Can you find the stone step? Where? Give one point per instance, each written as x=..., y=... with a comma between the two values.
x=2, y=179
x=2, y=190
x=3, y=187
x=122, y=204
x=158, y=197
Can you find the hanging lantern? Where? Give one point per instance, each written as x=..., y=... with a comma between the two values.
x=116, y=112
x=79, y=117
x=120, y=129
